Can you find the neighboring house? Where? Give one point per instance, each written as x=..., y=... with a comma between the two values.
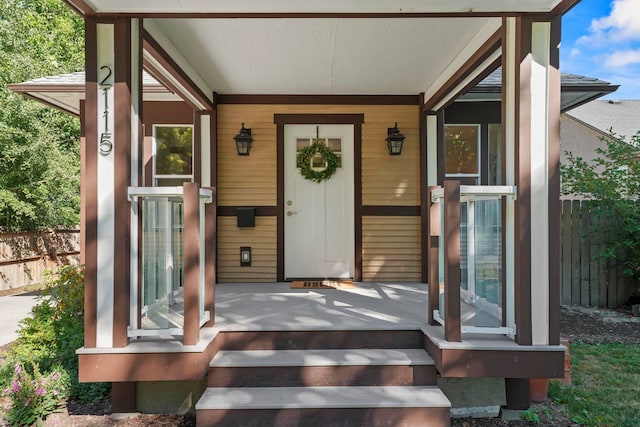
x=583, y=127
x=339, y=84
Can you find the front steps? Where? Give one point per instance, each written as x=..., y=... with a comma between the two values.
x=322, y=387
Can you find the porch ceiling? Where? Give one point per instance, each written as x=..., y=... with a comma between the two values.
x=335, y=56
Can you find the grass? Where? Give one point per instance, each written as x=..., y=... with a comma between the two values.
x=606, y=385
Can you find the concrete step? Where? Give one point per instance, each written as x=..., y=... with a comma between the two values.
x=292, y=368
x=324, y=406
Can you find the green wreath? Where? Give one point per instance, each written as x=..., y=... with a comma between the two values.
x=304, y=162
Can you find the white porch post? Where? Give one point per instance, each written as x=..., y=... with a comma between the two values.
x=112, y=125
x=531, y=105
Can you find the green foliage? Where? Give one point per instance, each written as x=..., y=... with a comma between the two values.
x=605, y=385
x=39, y=155
x=34, y=395
x=50, y=336
x=530, y=415
x=306, y=156
x=175, y=150
x=612, y=181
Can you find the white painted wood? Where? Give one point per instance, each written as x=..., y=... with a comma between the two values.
x=322, y=397
x=319, y=231
x=326, y=55
x=432, y=150
x=136, y=86
x=352, y=357
x=509, y=50
x=477, y=39
x=324, y=6
x=540, y=40
x=205, y=150
x=468, y=79
x=186, y=66
x=105, y=274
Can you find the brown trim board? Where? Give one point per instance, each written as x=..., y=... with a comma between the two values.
x=322, y=15
x=424, y=201
x=280, y=201
x=319, y=99
x=89, y=182
x=320, y=119
x=371, y=210
x=259, y=210
x=155, y=49
x=554, y=184
x=502, y=363
x=122, y=177
x=522, y=235
x=489, y=47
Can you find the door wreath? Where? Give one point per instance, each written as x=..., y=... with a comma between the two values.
x=304, y=162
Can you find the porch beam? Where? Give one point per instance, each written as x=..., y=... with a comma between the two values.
x=474, y=63
x=168, y=66
x=451, y=246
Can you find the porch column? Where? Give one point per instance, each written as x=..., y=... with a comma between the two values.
x=531, y=113
x=110, y=158
x=206, y=134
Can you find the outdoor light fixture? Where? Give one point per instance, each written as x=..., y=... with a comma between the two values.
x=243, y=141
x=245, y=256
x=394, y=140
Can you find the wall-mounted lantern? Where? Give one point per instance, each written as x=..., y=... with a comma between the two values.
x=243, y=141
x=394, y=140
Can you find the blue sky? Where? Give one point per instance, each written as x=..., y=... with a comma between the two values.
x=601, y=38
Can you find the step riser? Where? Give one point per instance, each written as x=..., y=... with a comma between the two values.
x=329, y=417
x=306, y=340
x=292, y=376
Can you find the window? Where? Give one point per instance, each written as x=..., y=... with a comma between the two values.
x=173, y=154
x=462, y=152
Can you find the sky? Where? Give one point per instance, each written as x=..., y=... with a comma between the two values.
x=601, y=38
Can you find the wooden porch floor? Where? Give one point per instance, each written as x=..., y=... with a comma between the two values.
x=275, y=306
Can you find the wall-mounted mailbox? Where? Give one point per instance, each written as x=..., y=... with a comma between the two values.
x=246, y=217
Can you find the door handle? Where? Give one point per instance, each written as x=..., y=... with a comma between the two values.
x=289, y=213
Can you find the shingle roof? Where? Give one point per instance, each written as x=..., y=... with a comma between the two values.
x=77, y=79
x=623, y=117
x=567, y=80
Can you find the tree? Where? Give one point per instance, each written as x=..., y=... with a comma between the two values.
x=612, y=181
x=39, y=153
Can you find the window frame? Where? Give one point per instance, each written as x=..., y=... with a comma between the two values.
x=155, y=176
x=478, y=175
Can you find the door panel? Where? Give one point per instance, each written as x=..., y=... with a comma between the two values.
x=319, y=217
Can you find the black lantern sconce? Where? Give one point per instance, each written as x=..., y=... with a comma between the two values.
x=394, y=140
x=243, y=141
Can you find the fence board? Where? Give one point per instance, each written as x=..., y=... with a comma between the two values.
x=585, y=257
x=25, y=256
x=585, y=279
x=565, y=265
x=575, y=252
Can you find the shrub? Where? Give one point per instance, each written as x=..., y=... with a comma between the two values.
x=49, y=337
x=612, y=181
x=34, y=396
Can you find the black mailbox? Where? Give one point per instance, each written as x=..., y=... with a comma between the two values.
x=246, y=217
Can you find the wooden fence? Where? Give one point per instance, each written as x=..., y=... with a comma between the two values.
x=25, y=256
x=586, y=280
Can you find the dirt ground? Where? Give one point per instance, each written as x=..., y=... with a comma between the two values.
x=576, y=324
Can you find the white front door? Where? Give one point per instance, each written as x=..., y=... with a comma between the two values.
x=319, y=217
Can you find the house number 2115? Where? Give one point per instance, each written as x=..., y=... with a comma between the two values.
x=105, y=145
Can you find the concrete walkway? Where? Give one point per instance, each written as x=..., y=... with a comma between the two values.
x=14, y=308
